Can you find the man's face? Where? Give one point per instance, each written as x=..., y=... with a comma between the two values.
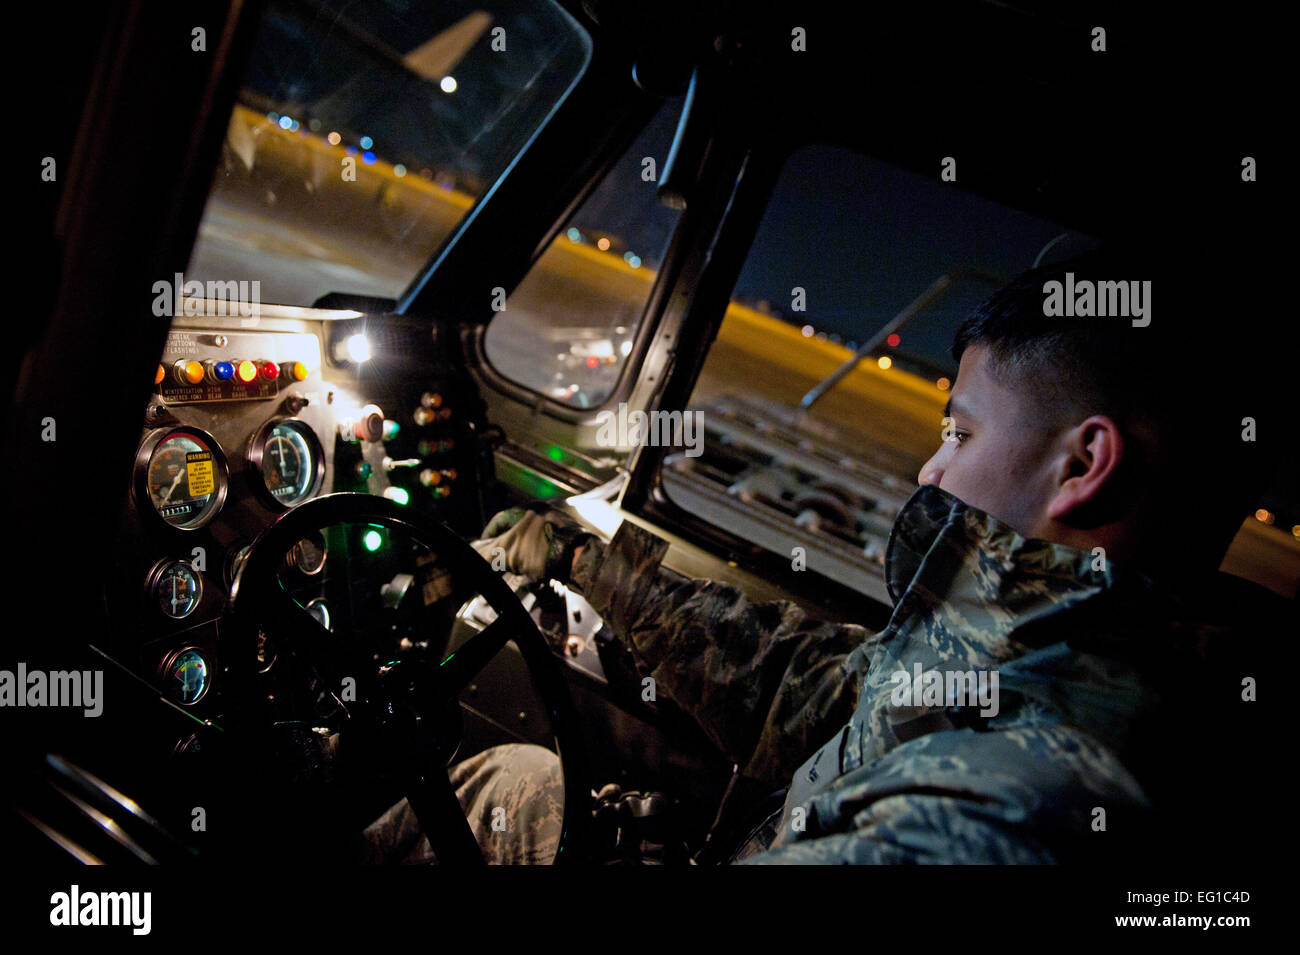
x=999, y=461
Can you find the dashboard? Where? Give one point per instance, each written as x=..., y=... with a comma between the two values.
x=246, y=422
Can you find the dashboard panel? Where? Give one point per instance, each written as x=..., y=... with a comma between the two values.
x=245, y=423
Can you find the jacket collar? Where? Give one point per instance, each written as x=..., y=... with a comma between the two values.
x=933, y=517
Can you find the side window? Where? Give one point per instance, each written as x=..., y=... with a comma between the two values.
x=567, y=330
x=833, y=474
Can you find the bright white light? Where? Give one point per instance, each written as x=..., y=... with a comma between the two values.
x=807, y=331
x=626, y=347
x=448, y=84
x=358, y=348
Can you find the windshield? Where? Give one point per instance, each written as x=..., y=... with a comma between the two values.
x=363, y=133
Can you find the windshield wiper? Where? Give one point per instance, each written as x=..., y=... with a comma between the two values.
x=938, y=288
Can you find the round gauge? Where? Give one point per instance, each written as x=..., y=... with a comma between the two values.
x=288, y=459
x=177, y=587
x=186, y=676
x=182, y=473
x=319, y=609
x=308, y=555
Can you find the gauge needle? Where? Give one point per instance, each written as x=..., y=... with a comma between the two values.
x=173, y=593
x=175, y=481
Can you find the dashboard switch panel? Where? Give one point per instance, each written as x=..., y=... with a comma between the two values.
x=238, y=366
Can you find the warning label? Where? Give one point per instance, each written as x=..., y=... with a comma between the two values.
x=198, y=473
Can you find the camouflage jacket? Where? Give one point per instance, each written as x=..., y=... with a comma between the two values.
x=1098, y=689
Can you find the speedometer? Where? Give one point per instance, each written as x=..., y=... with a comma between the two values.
x=181, y=472
x=287, y=461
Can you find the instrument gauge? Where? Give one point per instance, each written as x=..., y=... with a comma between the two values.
x=177, y=588
x=181, y=472
x=287, y=461
x=186, y=675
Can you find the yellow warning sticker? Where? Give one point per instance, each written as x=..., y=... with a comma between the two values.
x=198, y=473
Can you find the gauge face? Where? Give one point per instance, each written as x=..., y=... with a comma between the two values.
x=290, y=460
x=186, y=478
x=187, y=676
x=177, y=588
x=308, y=555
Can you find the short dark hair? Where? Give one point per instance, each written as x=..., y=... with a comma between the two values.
x=1178, y=396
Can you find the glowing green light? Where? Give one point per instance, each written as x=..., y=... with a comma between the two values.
x=555, y=453
x=372, y=541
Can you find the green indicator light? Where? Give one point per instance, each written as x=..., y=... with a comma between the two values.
x=372, y=541
x=448, y=660
x=555, y=453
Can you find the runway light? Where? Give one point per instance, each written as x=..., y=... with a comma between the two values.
x=884, y=361
x=603, y=244
x=358, y=348
x=448, y=84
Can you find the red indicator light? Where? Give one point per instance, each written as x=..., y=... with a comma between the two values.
x=893, y=341
x=592, y=361
x=270, y=370
x=159, y=375
x=246, y=371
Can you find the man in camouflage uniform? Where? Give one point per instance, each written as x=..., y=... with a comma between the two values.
x=1112, y=686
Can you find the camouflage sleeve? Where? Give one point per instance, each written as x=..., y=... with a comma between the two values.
x=764, y=681
x=919, y=829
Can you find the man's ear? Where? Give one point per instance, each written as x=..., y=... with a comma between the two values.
x=1093, y=450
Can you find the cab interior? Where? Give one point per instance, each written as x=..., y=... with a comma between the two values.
x=403, y=257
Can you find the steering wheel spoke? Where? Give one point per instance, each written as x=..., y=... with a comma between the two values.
x=443, y=820
x=468, y=660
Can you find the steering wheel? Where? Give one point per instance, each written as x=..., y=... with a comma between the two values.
x=385, y=696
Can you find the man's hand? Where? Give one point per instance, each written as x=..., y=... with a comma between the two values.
x=539, y=545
